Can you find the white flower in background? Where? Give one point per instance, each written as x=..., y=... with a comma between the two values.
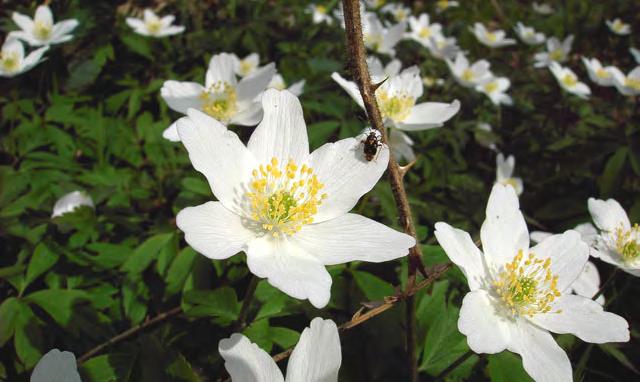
x=542, y=8
x=485, y=137
x=154, y=26
x=71, y=201
x=380, y=39
x=467, y=75
x=41, y=30
x=378, y=72
x=422, y=30
x=628, y=85
x=520, y=294
x=588, y=282
x=285, y=208
x=495, y=88
x=504, y=173
x=556, y=52
x=222, y=97
x=442, y=47
x=443, y=5
x=569, y=81
x=618, y=27
x=319, y=14
x=277, y=82
x=247, y=66
x=401, y=144
x=430, y=82
x=635, y=53
x=316, y=357
x=528, y=35
x=13, y=61
x=492, y=39
x=374, y=4
x=602, y=76
x=398, y=11
x=56, y=366
x=618, y=242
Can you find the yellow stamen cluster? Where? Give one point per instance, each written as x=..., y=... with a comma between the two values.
x=41, y=30
x=491, y=87
x=246, y=67
x=618, y=25
x=569, y=80
x=628, y=242
x=632, y=83
x=373, y=41
x=321, y=9
x=601, y=73
x=425, y=32
x=10, y=62
x=396, y=107
x=219, y=101
x=284, y=199
x=527, y=286
x=556, y=54
x=467, y=75
x=491, y=36
x=510, y=182
x=153, y=26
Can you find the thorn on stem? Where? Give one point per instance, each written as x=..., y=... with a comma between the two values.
x=404, y=169
x=375, y=87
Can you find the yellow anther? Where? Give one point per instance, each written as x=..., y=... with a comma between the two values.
x=627, y=242
x=220, y=101
x=396, y=107
x=41, y=30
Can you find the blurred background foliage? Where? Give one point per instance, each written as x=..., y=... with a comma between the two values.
x=91, y=118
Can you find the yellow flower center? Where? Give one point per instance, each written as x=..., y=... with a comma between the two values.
x=442, y=4
x=153, y=26
x=373, y=41
x=491, y=36
x=569, y=80
x=601, y=73
x=511, y=182
x=219, y=101
x=632, y=83
x=397, y=107
x=10, y=62
x=425, y=32
x=618, y=25
x=321, y=9
x=491, y=87
x=556, y=54
x=401, y=15
x=467, y=75
x=284, y=199
x=428, y=81
x=41, y=30
x=527, y=286
x=628, y=242
x=246, y=67
x=528, y=34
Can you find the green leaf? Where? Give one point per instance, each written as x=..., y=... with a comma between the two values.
x=179, y=270
x=9, y=310
x=221, y=303
x=146, y=253
x=28, y=337
x=611, y=177
x=59, y=303
x=137, y=44
x=41, y=261
x=283, y=337
x=613, y=351
x=506, y=367
x=258, y=333
x=373, y=287
x=272, y=299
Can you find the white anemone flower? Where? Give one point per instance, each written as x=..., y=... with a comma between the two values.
x=556, y=52
x=442, y=47
x=618, y=27
x=379, y=39
x=222, y=97
x=542, y=8
x=422, y=30
x=56, y=366
x=520, y=294
x=588, y=282
x=629, y=84
x=13, y=61
x=569, y=81
x=399, y=12
x=443, y=5
x=70, y=202
x=316, y=357
x=495, y=88
x=528, y=35
x=492, y=39
x=285, y=208
x=485, y=136
x=635, y=53
x=153, y=26
x=618, y=242
x=41, y=30
x=247, y=66
x=467, y=75
x=602, y=76
x=402, y=145
x=319, y=14
x=504, y=173
x=378, y=72
x=277, y=82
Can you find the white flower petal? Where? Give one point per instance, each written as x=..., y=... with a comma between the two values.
x=290, y=269
x=352, y=237
x=462, y=252
x=504, y=231
x=401, y=145
x=346, y=175
x=251, y=86
x=317, y=356
x=23, y=21
x=219, y=155
x=171, y=132
x=214, y=231
x=246, y=362
x=542, y=358
x=43, y=15
x=282, y=133
x=63, y=27
x=70, y=202
x=428, y=115
x=56, y=366
x=585, y=319
x=568, y=254
x=588, y=283
x=538, y=236
x=181, y=96
x=486, y=330
x=172, y=30
x=350, y=87
x=249, y=115
x=34, y=58
x=608, y=215
x=221, y=70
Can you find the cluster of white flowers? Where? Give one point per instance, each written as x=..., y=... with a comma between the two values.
x=40, y=32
